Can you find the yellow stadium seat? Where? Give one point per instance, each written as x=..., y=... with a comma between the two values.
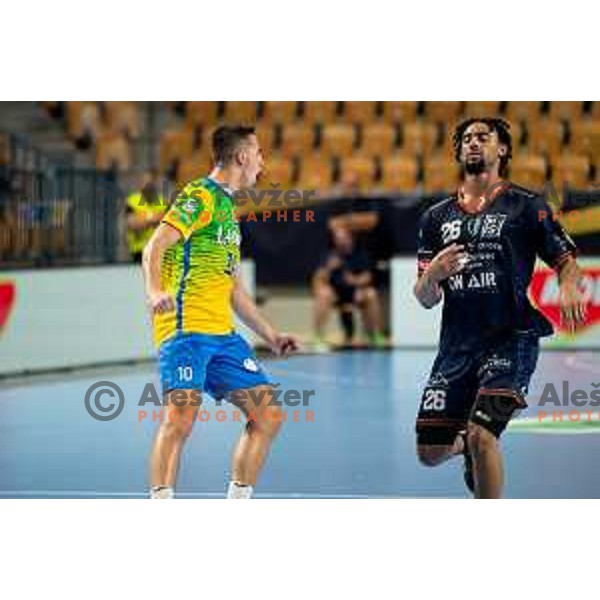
x=399, y=173
x=175, y=145
x=112, y=150
x=545, y=137
x=485, y=108
x=566, y=111
x=363, y=167
x=360, y=112
x=337, y=140
x=440, y=174
x=123, y=117
x=243, y=112
x=198, y=164
x=585, y=137
x=201, y=113
x=315, y=173
x=4, y=150
x=280, y=112
x=266, y=138
x=443, y=112
x=571, y=169
x=528, y=111
x=320, y=112
x=278, y=171
x=418, y=138
x=399, y=111
x=528, y=170
x=378, y=139
x=297, y=139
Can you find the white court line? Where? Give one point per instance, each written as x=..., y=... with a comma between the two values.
x=93, y=494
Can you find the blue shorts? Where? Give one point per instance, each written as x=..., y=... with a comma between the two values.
x=216, y=364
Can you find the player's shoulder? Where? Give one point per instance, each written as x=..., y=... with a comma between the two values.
x=439, y=207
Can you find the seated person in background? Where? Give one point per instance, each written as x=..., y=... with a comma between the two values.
x=345, y=280
x=145, y=209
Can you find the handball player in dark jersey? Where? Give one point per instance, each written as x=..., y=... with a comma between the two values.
x=477, y=251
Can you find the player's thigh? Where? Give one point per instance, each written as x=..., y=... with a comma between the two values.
x=504, y=376
x=324, y=294
x=446, y=401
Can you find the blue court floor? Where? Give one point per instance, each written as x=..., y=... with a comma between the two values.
x=359, y=444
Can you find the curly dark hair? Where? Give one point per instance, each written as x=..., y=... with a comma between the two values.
x=500, y=126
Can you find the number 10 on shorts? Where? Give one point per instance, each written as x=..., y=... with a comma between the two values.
x=185, y=373
x=434, y=400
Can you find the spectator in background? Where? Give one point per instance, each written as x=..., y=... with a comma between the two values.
x=145, y=209
x=346, y=281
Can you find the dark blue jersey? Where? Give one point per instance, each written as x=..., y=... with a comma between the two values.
x=488, y=298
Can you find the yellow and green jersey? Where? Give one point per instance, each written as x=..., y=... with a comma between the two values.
x=199, y=270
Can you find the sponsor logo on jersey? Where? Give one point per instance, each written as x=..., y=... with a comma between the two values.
x=492, y=226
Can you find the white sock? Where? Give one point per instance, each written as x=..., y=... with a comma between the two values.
x=161, y=492
x=238, y=491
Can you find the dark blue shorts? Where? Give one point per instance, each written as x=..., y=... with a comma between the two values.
x=459, y=379
x=216, y=364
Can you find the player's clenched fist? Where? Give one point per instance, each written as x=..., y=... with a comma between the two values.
x=449, y=261
x=161, y=302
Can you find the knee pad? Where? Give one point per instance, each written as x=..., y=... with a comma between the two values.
x=493, y=409
x=436, y=432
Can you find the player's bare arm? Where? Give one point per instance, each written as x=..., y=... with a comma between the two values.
x=449, y=261
x=164, y=237
x=572, y=305
x=245, y=307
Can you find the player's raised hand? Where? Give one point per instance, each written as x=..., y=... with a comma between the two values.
x=284, y=344
x=160, y=302
x=449, y=261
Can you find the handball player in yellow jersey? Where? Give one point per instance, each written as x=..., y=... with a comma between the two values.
x=193, y=287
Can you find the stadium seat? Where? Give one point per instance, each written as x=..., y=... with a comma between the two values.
x=243, y=112
x=399, y=173
x=585, y=137
x=545, y=137
x=363, y=167
x=486, y=108
x=528, y=111
x=315, y=174
x=378, y=139
x=278, y=171
x=283, y=112
x=566, y=111
x=399, y=111
x=297, y=139
x=360, y=112
x=201, y=113
x=4, y=150
x=266, y=138
x=571, y=169
x=338, y=140
x=440, y=174
x=196, y=165
x=443, y=112
x=319, y=112
x=112, y=151
x=123, y=117
x=419, y=138
x=528, y=170
x=175, y=145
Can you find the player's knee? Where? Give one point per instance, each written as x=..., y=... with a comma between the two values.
x=370, y=294
x=267, y=421
x=480, y=440
x=177, y=425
